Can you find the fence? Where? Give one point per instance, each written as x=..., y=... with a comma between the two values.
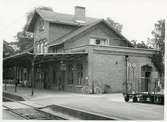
x=142, y=84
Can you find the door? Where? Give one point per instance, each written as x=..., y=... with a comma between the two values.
x=145, y=78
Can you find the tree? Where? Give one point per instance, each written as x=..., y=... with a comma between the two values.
x=25, y=39
x=7, y=50
x=141, y=44
x=115, y=25
x=24, y=42
x=158, y=42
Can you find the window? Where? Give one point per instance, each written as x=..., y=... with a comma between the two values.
x=45, y=47
x=99, y=41
x=39, y=48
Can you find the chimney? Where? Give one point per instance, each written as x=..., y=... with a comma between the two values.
x=79, y=14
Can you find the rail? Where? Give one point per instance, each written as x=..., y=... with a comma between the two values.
x=32, y=107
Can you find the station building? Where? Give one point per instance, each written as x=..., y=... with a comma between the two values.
x=74, y=51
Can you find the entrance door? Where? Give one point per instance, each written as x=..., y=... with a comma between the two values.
x=145, y=80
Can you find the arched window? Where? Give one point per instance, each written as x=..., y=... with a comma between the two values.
x=42, y=47
x=45, y=47
x=39, y=48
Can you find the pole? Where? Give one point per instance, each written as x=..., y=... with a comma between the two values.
x=134, y=81
x=15, y=78
x=33, y=75
x=32, y=83
x=5, y=78
x=126, y=78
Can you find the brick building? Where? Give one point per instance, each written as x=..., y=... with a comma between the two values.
x=73, y=51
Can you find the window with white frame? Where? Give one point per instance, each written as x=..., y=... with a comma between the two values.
x=42, y=46
x=98, y=41
x=39, y=48
x=45, y=47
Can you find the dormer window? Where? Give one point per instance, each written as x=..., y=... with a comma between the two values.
x=99, y=41
x=41, y=25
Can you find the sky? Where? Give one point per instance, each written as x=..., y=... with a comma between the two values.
x=136, y=16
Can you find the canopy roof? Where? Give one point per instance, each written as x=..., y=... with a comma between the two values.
x=26, y=58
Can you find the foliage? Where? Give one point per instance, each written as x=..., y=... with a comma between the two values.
x=25, y=39
x=7, y=49
x=157, y=60
x=158, y=42
x=115, y=25
x=24, y=42
x=141, y=44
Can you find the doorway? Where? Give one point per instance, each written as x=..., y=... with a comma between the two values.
x=145, y=77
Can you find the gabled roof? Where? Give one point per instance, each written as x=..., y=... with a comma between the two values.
x=72, y=34
x=82, y=29
x=68, y=19
x=59, y=18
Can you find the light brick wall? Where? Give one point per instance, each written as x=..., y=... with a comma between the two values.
x=110, y=69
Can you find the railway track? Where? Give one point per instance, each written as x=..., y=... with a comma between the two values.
x=31, y=112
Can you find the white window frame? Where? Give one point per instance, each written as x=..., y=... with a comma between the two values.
x=45, y=47
x=41, y=47
x=92, y=41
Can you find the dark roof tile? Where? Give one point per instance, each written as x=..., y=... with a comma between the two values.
x=62, y=18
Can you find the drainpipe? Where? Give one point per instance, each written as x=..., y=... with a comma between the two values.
x=15, y=78
x=126, y=78
x=32, y=83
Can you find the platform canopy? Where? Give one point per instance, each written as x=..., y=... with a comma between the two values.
x=26, y=58
x=47, y=57
x=21, y=59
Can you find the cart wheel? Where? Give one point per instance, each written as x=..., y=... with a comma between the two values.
x=134, y=99
x=126, y=98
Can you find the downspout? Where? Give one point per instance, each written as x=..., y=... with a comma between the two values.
x=126, y=73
